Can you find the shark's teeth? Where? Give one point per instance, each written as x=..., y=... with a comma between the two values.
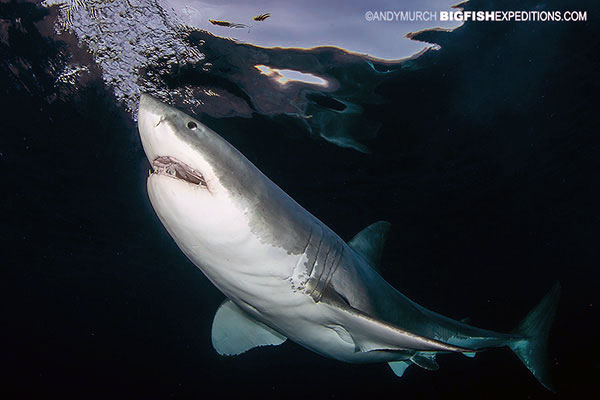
x=176, y=169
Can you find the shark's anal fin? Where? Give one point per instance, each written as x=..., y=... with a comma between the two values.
x=235, y=332
x=370, y=241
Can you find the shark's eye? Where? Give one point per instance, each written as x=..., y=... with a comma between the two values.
x=192, y=125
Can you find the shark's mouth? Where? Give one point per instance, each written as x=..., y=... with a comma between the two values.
x=176, y=169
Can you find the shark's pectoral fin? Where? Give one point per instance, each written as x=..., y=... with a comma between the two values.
x=399, y=367
x=370, y=241
x=234, y=331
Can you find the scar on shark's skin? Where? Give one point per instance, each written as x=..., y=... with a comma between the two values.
x=287, y=275
x=162, y=118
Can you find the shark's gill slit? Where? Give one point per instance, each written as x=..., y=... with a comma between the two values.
x=178, y=170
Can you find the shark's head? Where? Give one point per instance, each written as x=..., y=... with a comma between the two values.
x=197, y=177
x=207, y=194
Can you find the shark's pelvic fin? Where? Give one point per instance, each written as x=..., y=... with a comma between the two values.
x=425, y=361
x=535, y=328
x=234, y=331
x=399, y=367
x=372, y=334
x=370, y=241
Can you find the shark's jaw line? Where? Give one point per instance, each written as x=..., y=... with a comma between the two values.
x=173, y=168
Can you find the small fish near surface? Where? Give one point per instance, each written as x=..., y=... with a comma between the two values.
x=287, y=275
x=262, y=17
x=227, y=24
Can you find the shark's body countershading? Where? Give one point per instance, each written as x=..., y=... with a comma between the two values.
x=286, y=274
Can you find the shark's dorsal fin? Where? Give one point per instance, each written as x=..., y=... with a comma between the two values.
x=234, y=331
x=370, y=241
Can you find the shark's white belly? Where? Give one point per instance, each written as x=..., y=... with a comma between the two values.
x=266, y=281
x=271, y=288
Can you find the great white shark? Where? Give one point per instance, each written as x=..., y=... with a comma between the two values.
x=287, y=275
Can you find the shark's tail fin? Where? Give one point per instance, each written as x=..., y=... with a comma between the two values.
x=535, y=328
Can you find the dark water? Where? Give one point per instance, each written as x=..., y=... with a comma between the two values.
x=486, y=164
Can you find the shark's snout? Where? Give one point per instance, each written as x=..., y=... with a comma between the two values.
x=174, y=143
x=151, y=114
x=162, y=128
x=151, y=108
